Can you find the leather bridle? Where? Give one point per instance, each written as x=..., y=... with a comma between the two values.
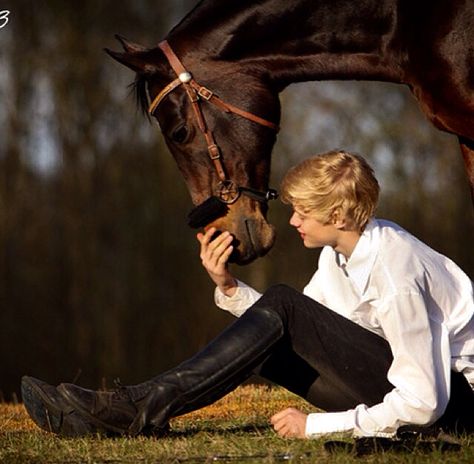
x=227, y=190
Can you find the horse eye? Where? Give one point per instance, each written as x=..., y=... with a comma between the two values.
x=180, y=134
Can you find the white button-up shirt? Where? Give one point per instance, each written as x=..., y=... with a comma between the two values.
x=417, y=299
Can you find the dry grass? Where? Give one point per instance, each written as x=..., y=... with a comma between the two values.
x=235, y=429
x=13, y=418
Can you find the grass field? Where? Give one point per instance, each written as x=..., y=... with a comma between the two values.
x=234, y=430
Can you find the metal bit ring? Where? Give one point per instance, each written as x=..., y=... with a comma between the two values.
x=227, y=192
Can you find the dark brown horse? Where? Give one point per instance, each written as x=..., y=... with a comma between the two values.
x=247, y=51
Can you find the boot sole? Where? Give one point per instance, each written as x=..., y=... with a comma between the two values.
x=51, y=411
x=44, y=413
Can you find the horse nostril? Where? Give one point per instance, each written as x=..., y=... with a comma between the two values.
x=235, y=241
x=235, y=255
x=216, y=234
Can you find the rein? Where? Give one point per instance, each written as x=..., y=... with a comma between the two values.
x=228, y=191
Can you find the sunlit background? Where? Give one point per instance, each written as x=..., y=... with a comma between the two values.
x=100, y=276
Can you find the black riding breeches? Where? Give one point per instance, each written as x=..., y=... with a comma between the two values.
x=335, y=364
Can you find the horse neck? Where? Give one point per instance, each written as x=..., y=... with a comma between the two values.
x=296, y=40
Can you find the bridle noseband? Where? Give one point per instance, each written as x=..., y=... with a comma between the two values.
x=227, y=190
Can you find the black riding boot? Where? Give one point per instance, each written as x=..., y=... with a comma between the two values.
x=219, y=368
x=51, y=412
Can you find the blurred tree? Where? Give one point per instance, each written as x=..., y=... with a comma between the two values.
x=99, y=273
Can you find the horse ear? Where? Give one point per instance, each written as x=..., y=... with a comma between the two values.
x=137, y=61
x=138, y=58
x=129, y=46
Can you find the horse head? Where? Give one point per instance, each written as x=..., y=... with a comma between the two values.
x=221, y=137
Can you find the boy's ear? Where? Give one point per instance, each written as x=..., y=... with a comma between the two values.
x=338, y=219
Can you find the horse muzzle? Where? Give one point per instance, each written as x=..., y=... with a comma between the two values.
x=253, y=236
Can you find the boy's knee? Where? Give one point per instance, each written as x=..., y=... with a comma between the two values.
x=280, y=290
x=280, y=298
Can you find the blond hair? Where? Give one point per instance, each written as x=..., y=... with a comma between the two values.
x=336, y=182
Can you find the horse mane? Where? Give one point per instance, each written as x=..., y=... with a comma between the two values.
x=139, y=88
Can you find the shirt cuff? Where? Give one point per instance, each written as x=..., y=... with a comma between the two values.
x=319, y=424
x=244, y=297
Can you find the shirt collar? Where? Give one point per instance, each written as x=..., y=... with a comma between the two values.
x=359, y=266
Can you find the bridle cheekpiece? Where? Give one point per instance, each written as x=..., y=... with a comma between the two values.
x=227, y=191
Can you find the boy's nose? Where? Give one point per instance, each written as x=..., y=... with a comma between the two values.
x=294, y=220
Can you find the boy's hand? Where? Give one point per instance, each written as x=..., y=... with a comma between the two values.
x=290, y=423
x=214, y=256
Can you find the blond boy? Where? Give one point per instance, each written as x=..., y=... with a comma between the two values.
x=382, y=337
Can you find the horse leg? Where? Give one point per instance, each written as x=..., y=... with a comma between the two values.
x=467, y=150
